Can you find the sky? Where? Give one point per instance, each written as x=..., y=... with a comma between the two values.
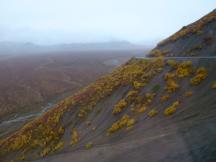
x=75, y=21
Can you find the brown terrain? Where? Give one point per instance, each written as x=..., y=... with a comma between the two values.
x=27, y=82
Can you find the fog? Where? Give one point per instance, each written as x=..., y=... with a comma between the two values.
x=75, y=21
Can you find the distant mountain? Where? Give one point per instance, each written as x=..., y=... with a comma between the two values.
x=23, y=48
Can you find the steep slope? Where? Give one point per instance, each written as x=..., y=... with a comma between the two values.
x=196, y=39
x=45, y=132
x=143, y=104
x=149, y=109
x=157, y=128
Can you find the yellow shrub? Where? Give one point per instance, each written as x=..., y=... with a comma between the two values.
x=184, y=69
x=88, y=145
x=130, y=122
x=45, y=152
x=124, y=121
x=200, y=75
x=61, y=130
x=188, y=94
x=133, y=109
x=138, y=85
x=152, y=113
x=74, y=137
x=157, y=53
x=176, y=103
x=139, y=108
x=186, y=64
x=150, y=97
x=169, y=76
x=171, y=86
x=214, y=85
x=119, y=106
x=131, y=95
x=59, y=146
x=142, y=109
x=171, y=109
x=172, y=63
x=165, y=98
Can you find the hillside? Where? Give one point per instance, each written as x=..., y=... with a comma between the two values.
x=196, y=39
x=158, y=109
x=29, y=82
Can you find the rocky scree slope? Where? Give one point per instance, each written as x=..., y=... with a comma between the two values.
x=140, y=108
x=196, y=39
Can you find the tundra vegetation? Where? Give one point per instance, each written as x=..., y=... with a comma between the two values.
x=188, y=94
x=165, y=97
x=43, y=136
x=152, y=113
x=195, y=28
x=124, y=122
x=214, y=85
x=88, y=145
x=74, y=137
x=157, y=53
x=200, y=75
x=171, y=109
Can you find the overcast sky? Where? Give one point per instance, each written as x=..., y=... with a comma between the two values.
x=68, y=21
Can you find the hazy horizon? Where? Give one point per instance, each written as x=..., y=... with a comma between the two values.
x=68, y=21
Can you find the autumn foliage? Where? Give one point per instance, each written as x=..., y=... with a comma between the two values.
x=74, y=137
x=191, y=29
x=152, y=113
x=119, y=106
x=45, y=132
x=125, y=121
x=200, y=75
x=171, y=109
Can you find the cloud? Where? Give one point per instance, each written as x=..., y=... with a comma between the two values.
x=57, y=21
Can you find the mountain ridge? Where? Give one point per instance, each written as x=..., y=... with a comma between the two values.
x=196, y=39
x=31, y=48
